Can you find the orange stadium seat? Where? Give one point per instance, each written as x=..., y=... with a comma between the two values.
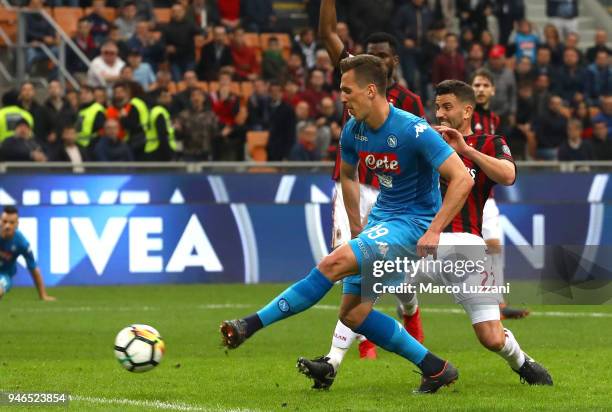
x=252, y=40
x=162, y=15
x=68, y=18
x=257, y=141
x=204, y=86
x=109, y=13
x=8, y=23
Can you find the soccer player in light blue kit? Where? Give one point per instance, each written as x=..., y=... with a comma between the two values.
x=12, y=245
x=408, y=157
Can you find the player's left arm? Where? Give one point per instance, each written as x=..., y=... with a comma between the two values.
x=499, y=168
x=442, y=157
x=36, y=275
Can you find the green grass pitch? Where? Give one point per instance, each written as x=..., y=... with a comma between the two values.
x=66, y=346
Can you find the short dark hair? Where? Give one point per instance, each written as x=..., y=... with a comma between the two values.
x=382, y=37
x=10, y=210
x=462, y=90
x=482, y=72
x=368, y=68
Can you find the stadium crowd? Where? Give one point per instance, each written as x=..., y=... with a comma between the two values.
x=194, y=88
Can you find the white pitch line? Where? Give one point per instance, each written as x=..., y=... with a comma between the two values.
x=173, y=406
x=216, y=306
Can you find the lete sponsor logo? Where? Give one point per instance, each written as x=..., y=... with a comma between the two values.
x=380, y=162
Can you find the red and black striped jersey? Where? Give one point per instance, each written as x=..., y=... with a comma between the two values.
x=469, y=219
x=400, y=97
x=485, y=121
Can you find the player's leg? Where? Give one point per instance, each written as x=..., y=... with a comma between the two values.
x=493, y=336
x=408, y=311
x=295, y=299
x=491, y=233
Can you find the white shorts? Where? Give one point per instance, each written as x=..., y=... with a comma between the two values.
x=341, y=227
x=491, y=228
x=461, y=248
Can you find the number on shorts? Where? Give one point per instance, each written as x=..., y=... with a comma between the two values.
x=376, y=231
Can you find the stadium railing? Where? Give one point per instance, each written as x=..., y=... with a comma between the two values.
x=253, y=167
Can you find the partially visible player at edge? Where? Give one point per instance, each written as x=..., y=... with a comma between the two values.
x=385, y=46
x=409, y=157
x=486, y=121
x=489, y=160
x=12, y=245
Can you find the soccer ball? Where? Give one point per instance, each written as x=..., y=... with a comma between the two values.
x=139, y=348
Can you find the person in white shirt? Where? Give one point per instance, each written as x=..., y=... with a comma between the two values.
x=106, y=68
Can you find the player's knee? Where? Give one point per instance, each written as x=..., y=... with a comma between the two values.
x=492, y=341
x=333, y=266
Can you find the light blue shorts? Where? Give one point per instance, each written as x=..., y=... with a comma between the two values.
x=386, y=237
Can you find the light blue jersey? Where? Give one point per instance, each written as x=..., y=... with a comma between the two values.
x=404, y=153
x=10, y=250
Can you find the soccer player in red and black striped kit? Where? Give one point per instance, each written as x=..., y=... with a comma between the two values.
x=385, y=46
x=485, y=121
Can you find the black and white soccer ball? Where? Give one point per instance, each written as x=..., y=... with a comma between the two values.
x=139, y=348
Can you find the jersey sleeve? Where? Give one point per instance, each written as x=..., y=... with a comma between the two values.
x=348, y=151
x=430, y=144
x=500, y=149
x=26, y=252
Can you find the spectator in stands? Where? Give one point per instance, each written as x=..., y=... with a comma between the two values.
x=90, y=120
x=425, y=55
x=601, y=43
x=22, y=147
x=553, y=41
x=570, y=81
x=291, y=93
x=161, y=143
x=68, y=150
x=39, y=33
x=305, y=45
x=450, y=63
x=57, y=110
x=27, y=101
x=572, y=41
x=315, y=92
x=101, y=95
x=601, y=142
x=133, y=115
x=105, y=68
x=504, y=101
x=147, y=43
x=115, y=37
x=598, y=78
x=145, y=10
x=204, y=13
x=563, y=14
x=244, y=57
x=126, y=22
x=324, y=63
x=126, y=74
x=258, y=16
x=606, y=112
x=541, y=94
x=302, y=111
x=475, y=60
x=525, y=41
x=273, y=65
x=100, y=27
x=181, y=100
x=525, y=71
x=180, y=44
x=282, y=125
x=142, y=73
x=544, y=62
x=197, y=127
x=259, y=107
x=551, y=130
x=580, y=111
x=229, y=11
x=295, y=70
x=305, y=149
x=574, y=148
x=109, y=148
x=163, y=80
x=214, y=56
x=85, y=42
x=226, y=105
x=327, y=108
x=508, y=12
x=521, y=136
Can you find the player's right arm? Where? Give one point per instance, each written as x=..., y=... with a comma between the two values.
x=327, y=31
x=349, y=181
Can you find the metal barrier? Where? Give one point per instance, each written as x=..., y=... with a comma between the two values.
x=254, y=167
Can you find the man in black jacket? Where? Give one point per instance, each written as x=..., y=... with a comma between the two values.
x=69, y=150
x=180, y=45
x=22, y=147
x=282, y=125
x=214, y=56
